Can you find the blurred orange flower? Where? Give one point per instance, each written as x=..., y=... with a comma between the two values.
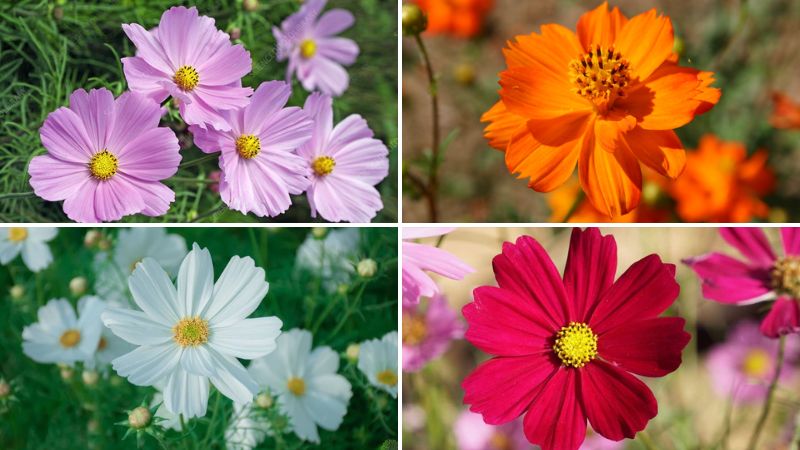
x=786, y=113
x=604, y=99
x=721, y=184
x=461, y=18
x=562, y=201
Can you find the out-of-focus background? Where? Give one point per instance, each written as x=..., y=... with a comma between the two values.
x=750, y=45
x=695, y=411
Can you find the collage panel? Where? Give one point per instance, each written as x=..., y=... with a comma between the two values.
x=192, y=337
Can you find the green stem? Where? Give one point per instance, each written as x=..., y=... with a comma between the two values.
x=198, y=161
x=433, y=172
x=14, y=195
x=193, y=180
x=762, y=419
x=208, y=214
x=645, y=439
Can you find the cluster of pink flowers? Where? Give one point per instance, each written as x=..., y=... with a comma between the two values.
x=107, y=157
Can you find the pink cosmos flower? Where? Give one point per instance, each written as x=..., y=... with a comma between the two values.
x=472, y=433
x=760, y=277
x=567, y=348
x=310, y=44
x=743, y=366
x=258, y=161
x=187, y=58
x=105, y=157
x=418, y=258
x=427, y=334
x=345, y=164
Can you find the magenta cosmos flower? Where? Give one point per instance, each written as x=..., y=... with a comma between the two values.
x=760, y=277
x=187, y=58
x=566, y=349
x=314, y=52
x=743, y=366
x=258, y=161
x=105, y=158
x=345, y=163
x=419, y=258
x=427, y=334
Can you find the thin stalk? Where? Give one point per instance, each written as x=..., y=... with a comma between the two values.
x=762, y=419
x=198, y=161
x=208, y=214
x=14, y=195
x=433, y=172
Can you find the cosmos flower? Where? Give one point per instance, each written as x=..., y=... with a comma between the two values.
x=30, y=242
x=786, y=113
x=459, y=18
x=472, y=433
x=345, y=163
x=427, y=334
x=245, y=431
x=566, y=350
x=606, y=99
x=314, y=51
x=722, y=184
x=259, y=165
x=109, y=346
x=418, y=258
x=61, y=337
x=188, y=58
x=194, y=333
x=377, y=360
x=105, y=158
x=330, y=257
x=309, y=390
x=761, y=276
x=654, y=206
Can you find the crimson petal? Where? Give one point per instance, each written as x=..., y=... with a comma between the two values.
x=650, y=347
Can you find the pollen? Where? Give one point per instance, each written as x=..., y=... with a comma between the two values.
x=17, y=234
x=186, y=78
x=756, y=363
x=308, y=48
x=387, y=377
x=414, y=330
x=600, y=75
x=576, y=345
x=786, y=276
x=70, y=338
x=296, y=386
x=190, y=331
x=248, y=146
x=323, y=165
x=103, y=165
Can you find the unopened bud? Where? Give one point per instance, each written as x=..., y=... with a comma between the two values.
x=139, y=418
x=17, y=292
x=250, y=5
x=264, y=400
x=352, y=352
x=92, y=238
x=366, y=268
x=90, y=377
x=319, y=232
x=93, y=426
x=414, y=20
x=66, y=373
x=342, y=289
x=104, y=244
x=77, y=286
x=236, y=33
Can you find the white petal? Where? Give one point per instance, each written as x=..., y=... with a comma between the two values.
x=331, y=385
x=45, y=352
x=232, y=379
x=195, y=281
x=321, y=361
x=42, y=234
x=57, y=316
x=147, y=364
x=237, y=293
x=36, y=333
x=327, y=411
x=268, y=374
x=36, y=255
x=90, y=324
x=8, y=250
x=154, y=293
x=186, y=394
x=136, y=327
x=302, y=423
x=248, y=339
x=197, y=361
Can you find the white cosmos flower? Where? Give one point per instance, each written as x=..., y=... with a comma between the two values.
x=245, y=431
x=31, y=242
x=133, y=245
x=61, y=337
x=193, y=334
x=305, y=382
x=332, y=258
x=109, y=346
x=377, y=359
x=169, y=418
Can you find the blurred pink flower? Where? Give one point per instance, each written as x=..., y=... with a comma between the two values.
x=215, y=175
x=310, y=44
x=188, y=58
x=472, y=433
x=762, y=276
x=743, y=365
x=596, y=442
x=418, y=258
x=427, y=334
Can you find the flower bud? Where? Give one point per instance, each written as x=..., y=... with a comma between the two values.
x=77, y=286
x=139, y=418
x=319, y=232
x=17, y=292
x=352, y=352
x=92, y=238
x=343, y=288
x=66, y=373
x=90, y=377
x=104, y=244
x=464, y=74
x=366, y=268
x=250, y=5
x=414, y=20
x=264, y=400
x=92, y=426
x=235, y=33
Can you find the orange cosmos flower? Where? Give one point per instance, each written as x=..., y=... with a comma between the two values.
x=461, y=18
x=786, y=113
x=721, y=184
x=604, y=99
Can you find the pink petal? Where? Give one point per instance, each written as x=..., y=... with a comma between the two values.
x=365, y=160
x=145, y=79
x=337, y=199
x=200, y=113
x=333, y=22
x=149, y=48
x=134, y=113
x=288, y=166
x=752, y=243
x=353, y=128
x=555, y=420
x=286, y=130
x=591, y=268
x=268, y=99
x=116, y=198
x=425, y=232
x=649, y=347
x=209, y=141
x=157, y=197
x=791, y=241
x=247, y=187
x=223, y=97
x=96, y=110
x=80, y=206
x=728, y=280
x=153, y=156
x=320, y=108
x=173, y=32
x=783, y=318
x=418, y=258
x=339, y=50
x=53, y=179
x=64, y=136
x=323, y=74
x=227, y=65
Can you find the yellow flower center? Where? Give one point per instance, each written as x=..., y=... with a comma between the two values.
x=296, y=386
x=414, y=329
x=600, y=76
x=186, y=78
x=308, y=48
x=756, y=363
x=500, y=441
x=17, y=234
x=576, y=344
x=103, y=165
x=102, y=344
x=387, y=377
x=190, y=331
x=70, y=338
x=323, y=165
x=786, y=276
x=248, y=145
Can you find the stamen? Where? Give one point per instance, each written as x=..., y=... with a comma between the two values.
x=308, y=48
x=17, y=234
x=323, y=165
x=186, y=78
x=296, y=386
x=387, y=377
x=103, y=165
x=576, y=345
x=190, y=331
x=600, y=76
x=248, y=146
x=786, y=276
x=70, y=338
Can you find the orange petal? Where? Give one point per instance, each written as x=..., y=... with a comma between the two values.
x=559, y=130
x=708, y=96
x=662, y=151
x=502, y=125
x=599, y=26
x=786, y=113
x=646, y=41
x=609, y=129
x=547, y=167
x=612, y=181
x=554, y=49
x=757, y=173
x=668, y=100
x=533, y=92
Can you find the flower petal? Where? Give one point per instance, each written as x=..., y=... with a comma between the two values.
x=728, y=280
x=64, y=136
x=783, y=318
x=154, y=293
x=502, y=125
x=136, y=327
x=649, y=347
x=153, y=156
x=248, y=339
x=96, y=110
x=267, y=100
x=186, y=394
x=646, y=41
x=149, y=48
x=197, y=360
x=536, y=94
x=148, y=364
x=752, y=243
x=54, y=179
x=590, y=270
x=134, y=113
x=195, y=283
x=144, y=79
x=333, y=22
x=791, y=241
x=237, y=293
x=600, y=26
x=661, y=151
x=556, y=419
x=232, y=379
x=612, y=180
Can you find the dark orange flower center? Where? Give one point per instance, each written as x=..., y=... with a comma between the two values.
x=600, y=76
x=786, y=276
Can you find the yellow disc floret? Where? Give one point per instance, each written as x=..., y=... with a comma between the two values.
x=103, y=165
x=576, y=344
x=186, y=78
x=414, y=329
x=190, y=331
x=17, y=234
x=308, y=48
x=248, y=146
x=786, y=276
x=296, y=386
x=323, y=165
x=600, y=75
x=70, y=338
x=756, y=363
x=387, y=377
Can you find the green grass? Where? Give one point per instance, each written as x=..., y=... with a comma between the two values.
x=51, y=413
x=49, y=49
